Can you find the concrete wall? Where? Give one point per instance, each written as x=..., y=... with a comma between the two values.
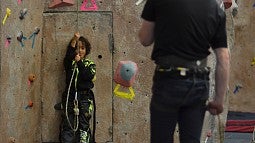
x=112, y=31
x=17, y=63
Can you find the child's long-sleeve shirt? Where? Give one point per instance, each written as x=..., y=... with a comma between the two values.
x=85, y=68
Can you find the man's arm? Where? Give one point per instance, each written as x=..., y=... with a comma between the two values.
x=146, y=33
x=215, y=107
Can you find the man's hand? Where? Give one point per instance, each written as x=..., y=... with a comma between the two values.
x=214, y=107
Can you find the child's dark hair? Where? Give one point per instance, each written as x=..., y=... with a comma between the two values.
x=86, y=43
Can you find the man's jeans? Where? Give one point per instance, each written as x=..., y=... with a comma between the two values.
x=181, y=100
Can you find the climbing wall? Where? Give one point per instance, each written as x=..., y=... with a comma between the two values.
x=242, y=91
x=58, y=28
x=240, y=96
x=26, y=104
x=20, y=98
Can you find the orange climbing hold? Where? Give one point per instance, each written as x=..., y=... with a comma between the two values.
x=31, y=77
x=30, y=104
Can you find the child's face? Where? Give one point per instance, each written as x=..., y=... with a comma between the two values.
x=82, y=49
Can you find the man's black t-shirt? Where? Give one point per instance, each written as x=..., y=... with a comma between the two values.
x=186, y=28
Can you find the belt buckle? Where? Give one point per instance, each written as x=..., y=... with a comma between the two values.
x=183, y=71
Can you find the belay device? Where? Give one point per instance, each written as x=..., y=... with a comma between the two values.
x=125, y=76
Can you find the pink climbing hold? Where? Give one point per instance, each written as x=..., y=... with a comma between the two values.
x=93, y=6
x=125, y=73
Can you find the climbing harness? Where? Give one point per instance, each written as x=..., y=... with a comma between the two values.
x=126, y=95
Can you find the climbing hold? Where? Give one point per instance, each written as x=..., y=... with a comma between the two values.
x=253, y=61
x=36, y=31
x=125, y=73
x=8, y=13
x=237, y=88
x=61, y=3
x=128, y=95
x=31, y=77
x=8, y=37
x=22, y=13
x=20, y=38
x=93, y=6
x=7, y=41
x=12, y=140
x=19, y=1
x=29, y=105
x=125, y=76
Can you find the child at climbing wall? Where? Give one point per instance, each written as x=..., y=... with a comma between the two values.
x=78, y=99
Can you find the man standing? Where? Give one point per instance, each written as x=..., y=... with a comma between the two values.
x=183, y=31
